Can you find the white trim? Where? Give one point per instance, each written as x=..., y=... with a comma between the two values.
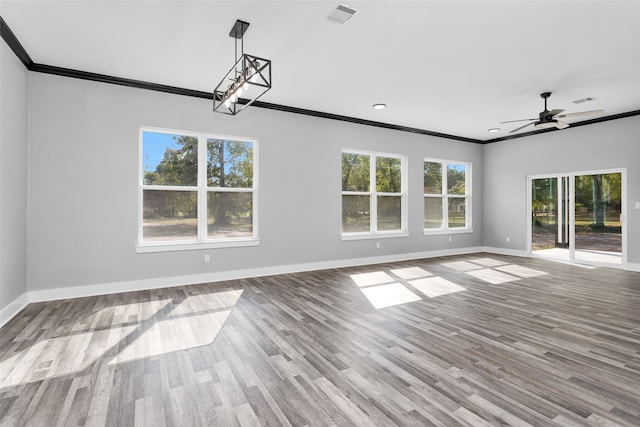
x=14, y=308
x=504, y=251
x=190, y=246
x=436, y=231
x=632, y=266
x=376, y=235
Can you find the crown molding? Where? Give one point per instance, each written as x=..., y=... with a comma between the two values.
x=572, y=125
x=12, y=41
x=14, y=44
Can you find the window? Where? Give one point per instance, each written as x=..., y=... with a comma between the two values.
x=373, y=195
x=196, y=191
x=447, y=196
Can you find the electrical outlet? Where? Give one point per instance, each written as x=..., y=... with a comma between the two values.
x=450, y=239
x=207, y=258
x=508, y=239
x=377, y=245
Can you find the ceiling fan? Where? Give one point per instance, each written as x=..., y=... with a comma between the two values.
x=549, y=119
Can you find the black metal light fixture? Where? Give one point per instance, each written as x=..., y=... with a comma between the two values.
x=245, y=82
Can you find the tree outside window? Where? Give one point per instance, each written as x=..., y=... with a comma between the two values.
x=372, y=193
x=196, y=188
x=446, y=195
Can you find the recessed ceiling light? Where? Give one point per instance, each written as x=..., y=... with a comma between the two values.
x=493, y=130
x=379, y=106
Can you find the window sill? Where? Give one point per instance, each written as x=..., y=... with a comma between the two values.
x=432, y=231
x=190, y=246
x=379, y=235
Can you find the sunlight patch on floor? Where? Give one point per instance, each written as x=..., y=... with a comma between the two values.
x=174, y=334
x=492, y=276
x=410, y=273
x=134, y=331
x=370, y=279
x=520, y=271
x=435, y=286
x=488, y=262
x=382, y=296
x=493, y=271
x=194, y=322
x=462, y=265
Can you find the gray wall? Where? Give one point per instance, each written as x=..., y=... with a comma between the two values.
x=82, y=183
x=609, y=145
x=13, y=177
x=83, y=166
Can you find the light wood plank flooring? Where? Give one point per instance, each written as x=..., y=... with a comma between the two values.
x=468, y=340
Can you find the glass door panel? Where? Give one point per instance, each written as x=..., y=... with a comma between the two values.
x=550, y=217
x=598, y=230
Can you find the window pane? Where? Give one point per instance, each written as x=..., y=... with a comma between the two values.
x=229, y=215
x=389, y=213
x=433, y=212
x=229, y=163
x=432, y=178
x=169, y=215
x=388, y=175
x=169, y=159
x=457, y=212
x=355, y=172
x=355, y=214
x=456, y=178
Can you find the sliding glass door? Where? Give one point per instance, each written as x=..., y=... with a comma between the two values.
x=577, y=217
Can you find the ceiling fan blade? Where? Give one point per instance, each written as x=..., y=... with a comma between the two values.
x=554, y=112
x=521, y=127
x=581, y=113
x=561, y=125
x=521, y=120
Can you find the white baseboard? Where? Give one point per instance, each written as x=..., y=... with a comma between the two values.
x=166, y=282
x=503, y=251
x=13, y=308
x=632, y=266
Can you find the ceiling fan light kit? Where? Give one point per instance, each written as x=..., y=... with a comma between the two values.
x=246, y=81
x=549, y=119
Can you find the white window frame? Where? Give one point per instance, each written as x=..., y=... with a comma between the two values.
x=373, y=232
x=445, y=196
x=202, y=241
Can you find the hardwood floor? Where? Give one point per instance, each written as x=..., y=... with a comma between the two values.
x=479, y=340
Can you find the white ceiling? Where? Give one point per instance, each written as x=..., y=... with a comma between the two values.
x=456, y=67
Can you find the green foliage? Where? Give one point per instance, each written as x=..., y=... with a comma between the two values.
x=229, y=163
x=388, y=175
x=598, y=194
x=178, y=166
x=432, y=178
x=355, y=172
x=456, y=179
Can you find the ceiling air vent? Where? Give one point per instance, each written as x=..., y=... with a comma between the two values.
x=587, y=99
x=341, y=14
